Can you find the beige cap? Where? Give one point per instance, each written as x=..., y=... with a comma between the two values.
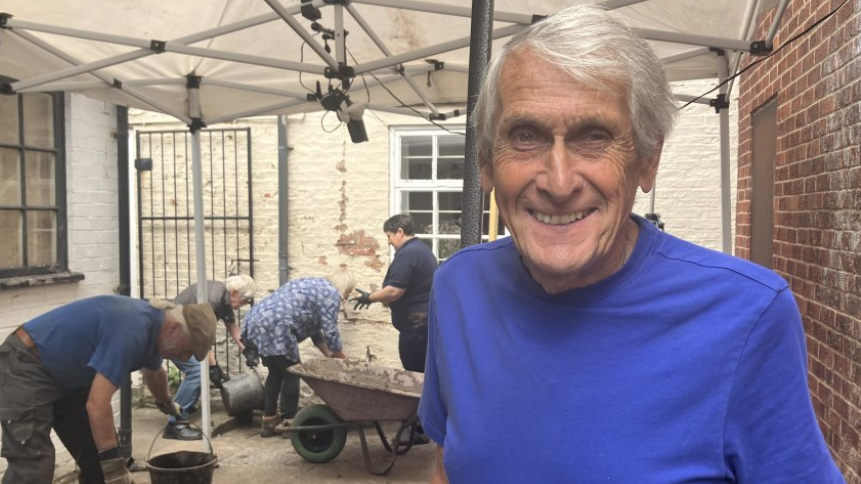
x=199, y=319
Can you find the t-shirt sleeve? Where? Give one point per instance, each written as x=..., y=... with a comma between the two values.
x=116, y=351
x=432, y=409
x=400, y=272
x=771, y=434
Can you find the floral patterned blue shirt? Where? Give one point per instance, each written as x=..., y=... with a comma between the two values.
x=301, y=308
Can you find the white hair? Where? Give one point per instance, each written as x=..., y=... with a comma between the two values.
x=244, y=285
x=593, y=46
x=343, y=280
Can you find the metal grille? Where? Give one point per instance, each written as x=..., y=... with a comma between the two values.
x=167, y=262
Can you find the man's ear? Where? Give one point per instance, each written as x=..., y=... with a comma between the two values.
x=649, y=168
x=485, y=168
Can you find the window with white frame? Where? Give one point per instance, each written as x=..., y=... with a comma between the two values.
x=427, y=172
x=32, y=196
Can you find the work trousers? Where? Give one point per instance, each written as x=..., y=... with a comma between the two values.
x=31, y=404
x=189, y=390
x=280, y=383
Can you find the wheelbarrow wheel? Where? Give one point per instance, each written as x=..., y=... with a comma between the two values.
x=318, y=446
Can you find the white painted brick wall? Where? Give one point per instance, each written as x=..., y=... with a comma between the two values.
x=93, y=235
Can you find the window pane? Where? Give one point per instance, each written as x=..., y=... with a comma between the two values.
x=417, y=168
x=10, y=177
x=416, y=201
x=41, y=238
x=9, y=120
x=449, y=223
x=412, y=146
x=416, y=158
x=38, y=120
x=423, y=223
x=452, y=145
x=11, y=254
x=451, y=201
x=40, y=179
x=447, y=247
x=450, y=168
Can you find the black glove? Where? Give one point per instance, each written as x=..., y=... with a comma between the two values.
x=362, y=301
x=169, y=408
x=250, y=353
x=217, y=376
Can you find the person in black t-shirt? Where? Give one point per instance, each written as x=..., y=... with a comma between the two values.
x=406, y=289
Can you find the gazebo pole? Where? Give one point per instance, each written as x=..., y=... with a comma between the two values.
x=199, y=241
x=479, y=56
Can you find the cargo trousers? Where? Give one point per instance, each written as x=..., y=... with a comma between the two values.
x=31, y=404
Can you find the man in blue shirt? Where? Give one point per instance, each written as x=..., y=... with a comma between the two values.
x=60, y=370
x=590, y=346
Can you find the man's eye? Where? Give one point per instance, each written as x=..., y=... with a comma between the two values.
x=524, y=138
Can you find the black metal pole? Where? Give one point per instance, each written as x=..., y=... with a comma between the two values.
x=124, y=435
x=479, y=56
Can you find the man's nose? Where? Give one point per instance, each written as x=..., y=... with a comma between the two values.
x=559, y=177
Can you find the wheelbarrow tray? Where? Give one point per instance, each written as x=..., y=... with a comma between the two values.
x=361, y=391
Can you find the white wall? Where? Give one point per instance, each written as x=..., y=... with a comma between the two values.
x=93, y=221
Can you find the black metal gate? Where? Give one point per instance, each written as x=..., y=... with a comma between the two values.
x=166, y=238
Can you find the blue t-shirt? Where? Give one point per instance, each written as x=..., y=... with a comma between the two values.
x=301, y=308
x=111, y=335
x=411, y=269
x=686, y=366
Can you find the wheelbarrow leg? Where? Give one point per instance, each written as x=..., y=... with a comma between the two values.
x=377, y=472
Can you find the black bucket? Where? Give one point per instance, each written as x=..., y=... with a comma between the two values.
x=183, y=467
x=242, y=393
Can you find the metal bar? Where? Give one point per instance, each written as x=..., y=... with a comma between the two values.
x=287, y=16
x=258, y=89
x=245, y=58
x=340, y=35
x=726, y=207
x=257, y=111
x=519, y=18
x=94, y=85
x=479, y=58
x=691, y=39
x=685, y=55
x=614, y=4
x=398, y=110
x=132, y=93
x=432, y=50
x=778, y=16
x=14, y=23
x=200, y=253
x=190, y=217
x=283, y=203
x=382, y=46
x=745, y=33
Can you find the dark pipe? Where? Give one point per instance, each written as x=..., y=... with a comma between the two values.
x=479, y=56
x=124, y=435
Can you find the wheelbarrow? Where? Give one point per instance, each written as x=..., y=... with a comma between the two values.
x=357, y=395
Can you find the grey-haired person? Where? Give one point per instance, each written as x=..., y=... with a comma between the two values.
x=224, y=297
x=590, y=346
x=60, y=370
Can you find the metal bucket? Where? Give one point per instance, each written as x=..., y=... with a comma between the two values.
x=183, y=467
x=242, y=393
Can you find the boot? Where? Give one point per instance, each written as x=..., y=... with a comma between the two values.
x=181, y=431
x=269, y=426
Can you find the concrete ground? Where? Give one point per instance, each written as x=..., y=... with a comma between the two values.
x=245, y=457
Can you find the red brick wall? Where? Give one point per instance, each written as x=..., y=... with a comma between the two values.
x=817, y=200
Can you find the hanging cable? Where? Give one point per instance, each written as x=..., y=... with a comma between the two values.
x=769, y=56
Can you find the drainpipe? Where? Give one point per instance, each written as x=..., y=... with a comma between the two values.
x=283, y=186
x=124, y=435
